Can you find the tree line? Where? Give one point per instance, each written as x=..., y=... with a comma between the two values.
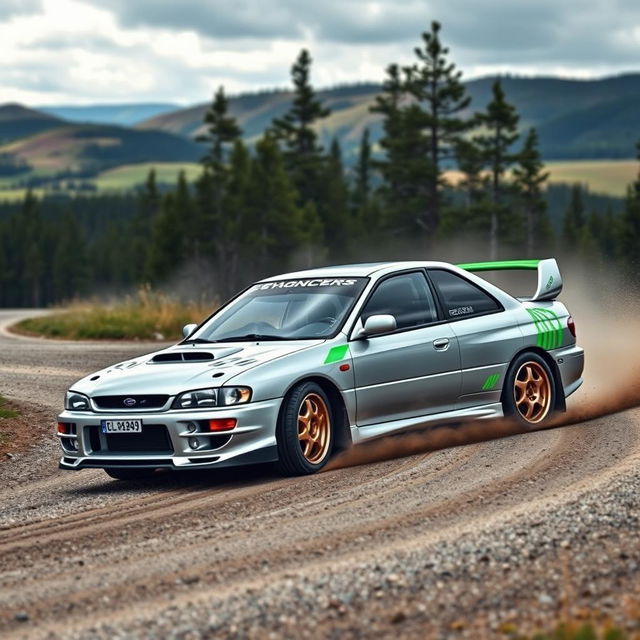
x=441, y=172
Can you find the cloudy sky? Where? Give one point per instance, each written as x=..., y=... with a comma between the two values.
x=87, y=51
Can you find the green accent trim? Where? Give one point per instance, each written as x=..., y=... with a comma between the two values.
x=491, y=382
x=548, y=327
x=337, y=353
x=500, y=265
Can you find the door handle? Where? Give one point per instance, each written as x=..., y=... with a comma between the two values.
x=441, y=344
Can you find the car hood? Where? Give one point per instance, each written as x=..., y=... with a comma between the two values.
x=184, y=367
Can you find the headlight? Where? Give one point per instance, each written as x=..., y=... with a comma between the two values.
x=234, y=395
x=76, y=402
x=205, y=398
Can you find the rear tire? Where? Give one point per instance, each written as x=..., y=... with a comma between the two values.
x=529, y=394
x=130, y=474
x=305, y=430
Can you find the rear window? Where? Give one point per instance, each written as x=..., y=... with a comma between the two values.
x=461, y=298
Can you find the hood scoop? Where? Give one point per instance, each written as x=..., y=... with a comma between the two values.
x=182, y=356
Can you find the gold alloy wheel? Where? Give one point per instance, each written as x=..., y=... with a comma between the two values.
x=314, y=428
x=532, y=392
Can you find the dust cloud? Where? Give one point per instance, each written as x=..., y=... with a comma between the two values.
x=606, y=311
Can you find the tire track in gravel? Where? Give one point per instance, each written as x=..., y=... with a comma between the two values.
x=278, y=554
x=77, y=550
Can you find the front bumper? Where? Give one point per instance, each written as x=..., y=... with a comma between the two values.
x=252, y=440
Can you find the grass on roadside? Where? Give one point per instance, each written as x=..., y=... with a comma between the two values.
x=5, y=413
x=146, y=316
x=577, y=632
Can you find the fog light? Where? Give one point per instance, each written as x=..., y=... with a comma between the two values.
x=194, y=443
x=192, y=427
x=222, y=424
x=74, y=444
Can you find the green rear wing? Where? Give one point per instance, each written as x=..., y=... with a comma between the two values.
x=549, y=278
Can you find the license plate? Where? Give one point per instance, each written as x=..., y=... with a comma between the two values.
x=121, y=426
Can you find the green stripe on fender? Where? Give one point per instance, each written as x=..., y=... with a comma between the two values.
x=337, y=353
x=548, y=327
x=500, y=265
x=491, y=382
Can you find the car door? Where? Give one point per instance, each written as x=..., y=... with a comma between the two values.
x=488, y=336
x=412, y=371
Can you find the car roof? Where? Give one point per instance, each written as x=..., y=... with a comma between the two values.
x=354, y=270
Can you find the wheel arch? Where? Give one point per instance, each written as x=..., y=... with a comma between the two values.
x=560, y=400
x=342, y=435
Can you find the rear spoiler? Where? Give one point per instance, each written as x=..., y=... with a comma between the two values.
x=549, y=278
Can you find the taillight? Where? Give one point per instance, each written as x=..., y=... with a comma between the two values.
x=63, y=427
x=571, y=325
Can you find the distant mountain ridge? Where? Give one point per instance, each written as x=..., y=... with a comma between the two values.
x=121, y=114
x=576, y=119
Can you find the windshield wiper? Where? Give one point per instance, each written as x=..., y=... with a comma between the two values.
x=252, y=336
x=199, y=341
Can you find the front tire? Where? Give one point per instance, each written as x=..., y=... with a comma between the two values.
x=530, y=392
x=130, y=474
x=305, y=431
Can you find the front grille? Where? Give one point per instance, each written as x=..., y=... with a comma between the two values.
x=154, y=438
x=131, y=403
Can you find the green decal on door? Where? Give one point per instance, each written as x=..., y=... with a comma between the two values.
x=337, y=353
x=548, y=327
x=491, y=382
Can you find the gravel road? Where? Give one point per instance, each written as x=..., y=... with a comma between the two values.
x=464, y=542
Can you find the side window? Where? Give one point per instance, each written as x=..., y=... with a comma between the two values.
x=406, y=297
x=460, y=297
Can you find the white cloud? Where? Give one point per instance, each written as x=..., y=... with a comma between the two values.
x=80, y=51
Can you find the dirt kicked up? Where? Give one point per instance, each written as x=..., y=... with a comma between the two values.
x=411, y=540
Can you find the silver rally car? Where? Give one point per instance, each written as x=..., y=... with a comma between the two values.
x=301, y=365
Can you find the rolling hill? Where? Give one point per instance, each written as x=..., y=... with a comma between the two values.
x=17, y=121
x=91, y=148
x=576, y=119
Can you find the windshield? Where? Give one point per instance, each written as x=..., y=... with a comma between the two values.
x=284, y=310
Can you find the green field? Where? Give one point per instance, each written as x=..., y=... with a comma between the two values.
x=129, y=176
x=610, y=177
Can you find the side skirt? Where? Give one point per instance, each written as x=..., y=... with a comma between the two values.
x=484, y=412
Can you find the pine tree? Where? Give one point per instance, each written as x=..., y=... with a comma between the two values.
x=629, y=231
x=70, y=260
x=303, y=153
x=365, y=213
x=389, y=105
x=470, y=161
x=574, y=219
x=31, y=265
x=140, y=231
x=528, y=180
x=405, y=166
x=334, y=205
x=216, y=222
x=273, y=228
x=435, y=85
x=499, y=123
x=166, y=250
x=222, y=131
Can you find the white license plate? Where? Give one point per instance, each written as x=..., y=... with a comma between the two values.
x=121, y=426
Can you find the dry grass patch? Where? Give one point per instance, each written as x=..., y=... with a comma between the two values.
x=145, y=316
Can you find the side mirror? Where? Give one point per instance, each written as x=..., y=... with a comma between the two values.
x=188, y=329
x=376, y=325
